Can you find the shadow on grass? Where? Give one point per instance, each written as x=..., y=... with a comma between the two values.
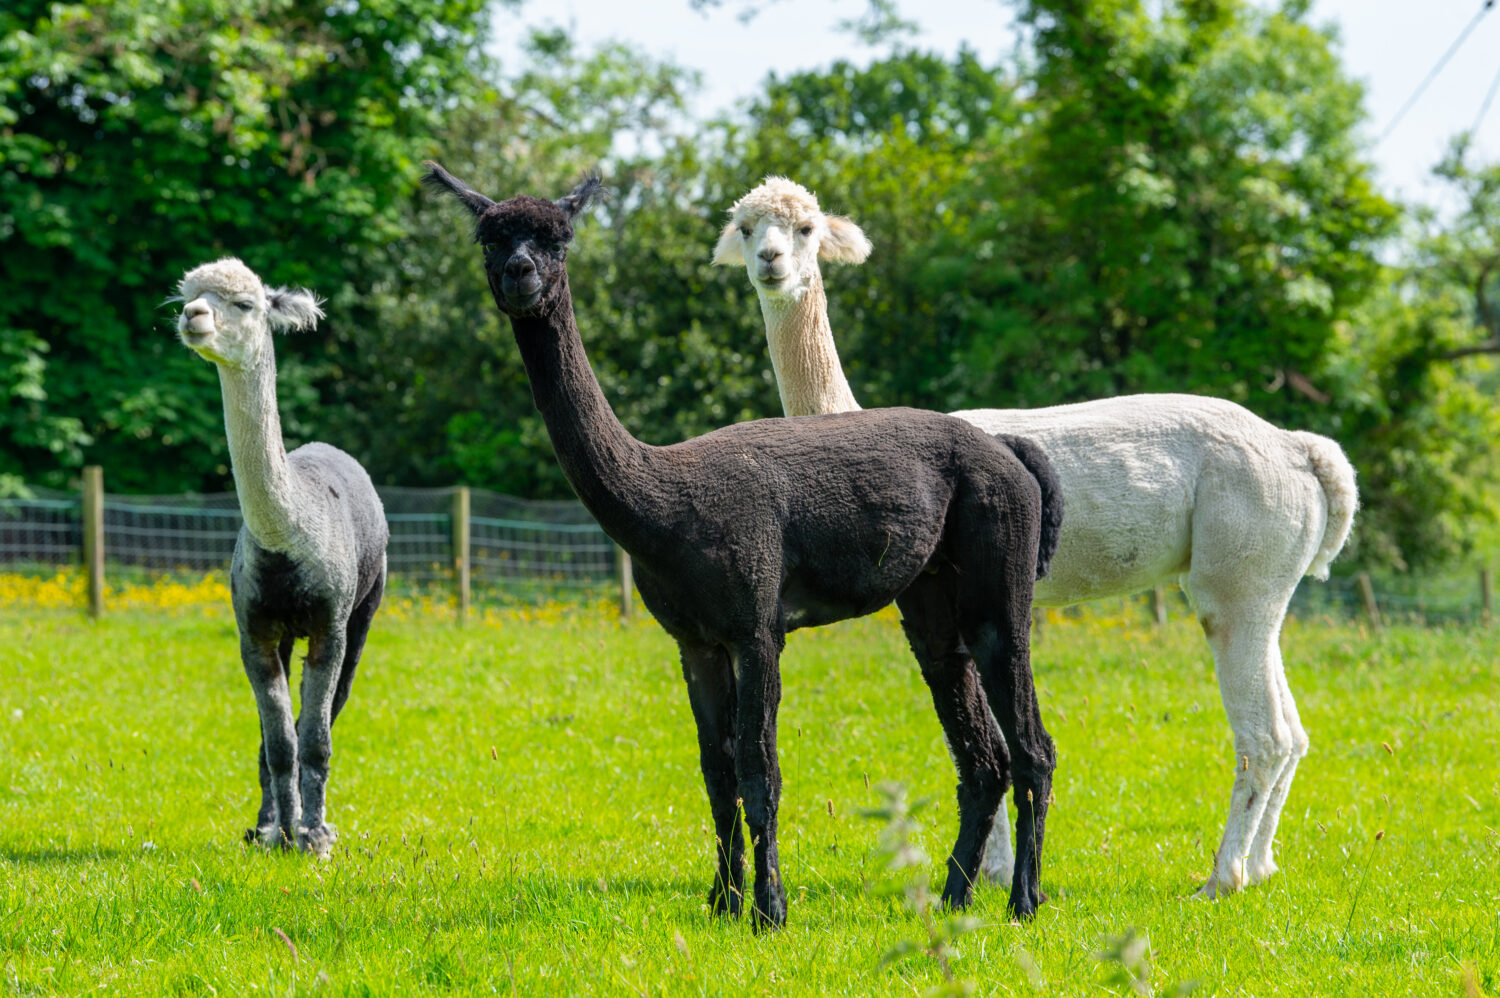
x=62, y=857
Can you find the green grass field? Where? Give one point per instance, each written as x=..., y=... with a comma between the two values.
x=521, y=812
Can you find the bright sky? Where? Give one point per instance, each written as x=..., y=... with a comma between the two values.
x=1390, y=45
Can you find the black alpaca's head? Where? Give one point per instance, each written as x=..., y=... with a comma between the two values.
x=525, y=240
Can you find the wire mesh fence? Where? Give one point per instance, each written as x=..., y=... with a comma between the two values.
x=517, y=547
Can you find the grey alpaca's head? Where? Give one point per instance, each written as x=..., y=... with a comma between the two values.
x=228, y=315
x=525, y=240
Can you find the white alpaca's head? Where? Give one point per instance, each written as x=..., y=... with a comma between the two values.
x=779, y=233
x=228, y=315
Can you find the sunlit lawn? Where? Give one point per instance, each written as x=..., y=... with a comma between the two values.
x=521, y=812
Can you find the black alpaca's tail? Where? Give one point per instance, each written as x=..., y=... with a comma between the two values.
x=1034, y=459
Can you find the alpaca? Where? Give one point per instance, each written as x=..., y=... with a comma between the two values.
x=754, y=530
x=310, y=558
x=1159, y=487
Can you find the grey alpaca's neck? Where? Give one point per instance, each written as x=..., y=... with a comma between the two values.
x=803, y=354
x=262, y=477
x=598, y=455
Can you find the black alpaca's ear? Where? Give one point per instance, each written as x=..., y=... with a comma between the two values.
x=441, y=180
x=591, y=188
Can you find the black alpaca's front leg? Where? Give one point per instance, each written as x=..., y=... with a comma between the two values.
x=979, y=753
x=1004, y=663
x=758, y=676
x=320, y=678
x=280, y=812
x=711, y=691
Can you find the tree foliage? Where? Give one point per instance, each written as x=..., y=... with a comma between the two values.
x=140, y=137
x=1162, y=196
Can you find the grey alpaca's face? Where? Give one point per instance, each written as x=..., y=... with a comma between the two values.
x=223, y=317
x=525, y=240
x=228, y=314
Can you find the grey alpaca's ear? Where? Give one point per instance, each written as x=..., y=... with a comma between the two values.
x=727, y=252
x=441, y=180
x=579, y=198
x=845, y=242
x=292, y=308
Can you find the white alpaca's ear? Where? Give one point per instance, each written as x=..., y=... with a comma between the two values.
x=844, y=243
x=292, y=308
x=727, y=252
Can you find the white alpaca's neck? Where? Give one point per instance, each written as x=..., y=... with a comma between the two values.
x=803, y=355
x=262, y=477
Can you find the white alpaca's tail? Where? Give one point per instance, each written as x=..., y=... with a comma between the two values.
x=1336, y=475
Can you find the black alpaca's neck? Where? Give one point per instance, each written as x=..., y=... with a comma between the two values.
x=598, y=455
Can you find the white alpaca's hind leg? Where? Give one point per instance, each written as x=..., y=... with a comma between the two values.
x=1248, y=665
x=1262, y=863
x=999, y=863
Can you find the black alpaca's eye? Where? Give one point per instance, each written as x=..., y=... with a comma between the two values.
x=806, y=230
x=488, y=248
x=561, y=246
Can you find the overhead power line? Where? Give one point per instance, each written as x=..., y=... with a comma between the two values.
x=1479, y=118
x=1432, y=74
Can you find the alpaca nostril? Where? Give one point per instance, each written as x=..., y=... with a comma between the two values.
x=518, y=267
x=769, y=255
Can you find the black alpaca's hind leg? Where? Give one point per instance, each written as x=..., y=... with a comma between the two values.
x=711, y=691
x=979, y=753
x=758, y=694
x=356, y=632
x=1002, y=655
x=268, y=667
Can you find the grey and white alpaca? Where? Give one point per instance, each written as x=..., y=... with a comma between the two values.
x=751, y=531
x=310, y=559
x=1159, y=487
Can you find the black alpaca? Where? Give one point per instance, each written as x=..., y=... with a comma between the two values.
x=743, y=534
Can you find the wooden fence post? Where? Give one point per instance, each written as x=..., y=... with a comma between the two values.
x=1486, y=596
x=93, y=536
x=461, y=550
x=627, y=584
x=1159, y=604
x=1367, y=594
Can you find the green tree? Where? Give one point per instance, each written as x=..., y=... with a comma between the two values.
x=140, y=137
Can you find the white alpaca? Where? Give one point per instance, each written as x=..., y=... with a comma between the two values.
x=1157, y=487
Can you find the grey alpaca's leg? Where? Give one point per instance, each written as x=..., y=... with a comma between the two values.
x=711, y=690
x=358, y=630
x=320, y=677
x=978, y=751
x=995, y=621
x=267, y=673
x=265, y=819
x=758, y=697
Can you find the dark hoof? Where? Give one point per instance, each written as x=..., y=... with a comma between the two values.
x=1023, y=906
x=725, y=901
x=769, y=913
x=957, y=892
